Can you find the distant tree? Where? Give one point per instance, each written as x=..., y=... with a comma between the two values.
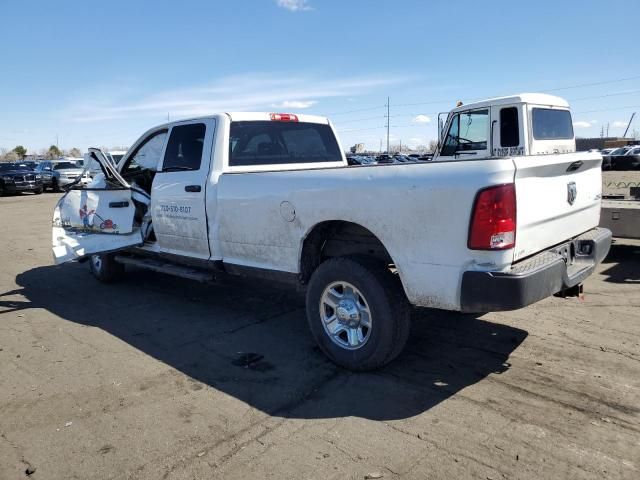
x=11, y=156
x=53, y=152
x=433, y=145
x=20, y=151
x=74, y=152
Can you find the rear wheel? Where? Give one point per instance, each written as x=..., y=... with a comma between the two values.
x=105, y=268
x=1, y=190
x=357, y=312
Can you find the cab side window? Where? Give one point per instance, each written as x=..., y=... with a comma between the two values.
x=509, y=127
x=184, y=150
x=147, y=155
x=468, y=131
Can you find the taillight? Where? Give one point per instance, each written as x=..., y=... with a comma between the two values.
x=284, y=117
x=493, y=221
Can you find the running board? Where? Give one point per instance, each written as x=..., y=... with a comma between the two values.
x=167, y=267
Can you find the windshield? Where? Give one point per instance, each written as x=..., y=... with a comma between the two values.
x=5, y=167
x=64, y=165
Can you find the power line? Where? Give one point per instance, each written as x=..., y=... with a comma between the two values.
x=567, y=87
x=582, y=85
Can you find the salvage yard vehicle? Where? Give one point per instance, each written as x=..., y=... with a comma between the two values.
x=16, y=178
x=505, y=215
x=57, y=174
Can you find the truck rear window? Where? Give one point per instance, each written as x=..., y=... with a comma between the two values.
x=550, y=124
x=276, y=143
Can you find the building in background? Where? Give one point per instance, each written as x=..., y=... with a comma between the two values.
x=357, y=148
x=598, y=143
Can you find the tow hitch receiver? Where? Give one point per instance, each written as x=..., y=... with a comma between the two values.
x=575, y=291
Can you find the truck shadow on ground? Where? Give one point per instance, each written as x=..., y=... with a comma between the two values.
x=625, y=264
x=251, y=341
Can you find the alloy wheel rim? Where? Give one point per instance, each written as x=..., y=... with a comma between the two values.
x=97, y=261
x=345, y=315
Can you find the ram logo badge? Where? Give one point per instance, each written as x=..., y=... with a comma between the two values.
x=572, y=192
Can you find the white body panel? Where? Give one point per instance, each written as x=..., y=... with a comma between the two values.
x=545, y=216
x=179, y=216
x=420, y=212
x=259, y=216
x=76, y=234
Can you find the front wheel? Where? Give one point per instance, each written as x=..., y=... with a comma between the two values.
x=105, y=268
x=357, y=312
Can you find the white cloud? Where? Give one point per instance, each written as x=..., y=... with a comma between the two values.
x=422, y=119
x=248, y=92
x=583, y=123
x=619, y=124
x=295, y=104
x=294, y=5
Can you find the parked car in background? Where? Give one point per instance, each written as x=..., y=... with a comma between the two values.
x=608, y=159
x=15, y=178
x=29, y=164
x=60, y=173
x=629, y=161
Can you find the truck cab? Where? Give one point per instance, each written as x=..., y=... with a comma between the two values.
x=517, y=125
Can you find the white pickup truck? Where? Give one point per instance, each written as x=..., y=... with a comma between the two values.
x=505, y=215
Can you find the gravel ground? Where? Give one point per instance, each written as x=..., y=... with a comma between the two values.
x=163, y=378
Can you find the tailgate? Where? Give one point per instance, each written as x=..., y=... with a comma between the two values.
x=558, y=197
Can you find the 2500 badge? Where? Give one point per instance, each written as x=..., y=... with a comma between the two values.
x=175, y=208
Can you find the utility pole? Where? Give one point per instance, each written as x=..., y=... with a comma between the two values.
x=388, y=123
x=400, y=146
x=380, y=151
x=628, y=125
x=607, y=129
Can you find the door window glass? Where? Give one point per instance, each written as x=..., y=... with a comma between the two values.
x=147, y=155
x=467, y=131
x=184, y=150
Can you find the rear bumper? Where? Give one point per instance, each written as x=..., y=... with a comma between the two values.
x=537, y=277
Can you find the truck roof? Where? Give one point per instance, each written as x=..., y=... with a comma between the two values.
x=248, y=116
x=252, y=116
x=532, y=98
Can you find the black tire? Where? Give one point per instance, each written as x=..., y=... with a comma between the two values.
x=388, y=307
x=105, y=268
x=1, y=190
x=39, y=191
x=54, y=186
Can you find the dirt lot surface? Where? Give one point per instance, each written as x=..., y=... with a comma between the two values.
x=163, y=378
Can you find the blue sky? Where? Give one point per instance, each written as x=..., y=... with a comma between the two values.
x=96, y=73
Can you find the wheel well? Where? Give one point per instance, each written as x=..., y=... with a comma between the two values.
x=337, y=239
